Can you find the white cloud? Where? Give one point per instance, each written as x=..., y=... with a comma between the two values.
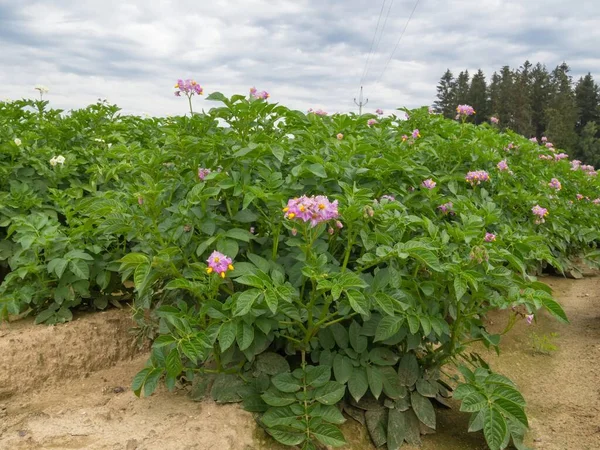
x=307, y=53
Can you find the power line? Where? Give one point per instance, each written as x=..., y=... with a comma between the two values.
x=399, y=39
x=387, y=15
x=362, y=78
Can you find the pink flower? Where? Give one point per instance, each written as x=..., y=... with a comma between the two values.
x=490, y=237
x=529, y=318
x=476, y=177
x=379, y=111
x=314, y=209
x=549, y=145
x=259, y=95
x=502, y=165
x=318, y=112
x=465, y=110
x=404, y=138
x=533, y=139
x=428, y=184
x=389, y=198
x=219, y=263
x=339, y=224
x=596, y=201
x=547, y=157
x=560, y=156
x=575, y=164
x=544, y=139
x=494, y=120
x=340, y=136
x=202, y=172
x=555, y=184
x=540, y=212
x=371, y=122
x=446, y=208
x=416, y=134
x=579, y=197
x=253, y=91
x=188, y=87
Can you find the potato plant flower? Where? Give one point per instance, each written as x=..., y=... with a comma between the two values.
x=555, y=184
x=476, y=177
x=314, y=209
x=540, y=212
x=189, y=88
x=219, y=264
x=428, y=183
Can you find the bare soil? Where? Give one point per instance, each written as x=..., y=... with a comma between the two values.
x=67, y=387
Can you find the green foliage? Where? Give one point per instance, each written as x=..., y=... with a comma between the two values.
x=359, y=316
x=544, y=343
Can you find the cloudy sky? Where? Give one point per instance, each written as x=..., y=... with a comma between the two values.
x=306, y=53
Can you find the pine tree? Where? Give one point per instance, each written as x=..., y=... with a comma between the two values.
x=446, y=103
x=505, y=98
x=562, y=111
x=522, y=114
x=587, y=98
x=494, y=95
x=462, y=88
x=588, y=148
x=539, y=98
x=478, y=97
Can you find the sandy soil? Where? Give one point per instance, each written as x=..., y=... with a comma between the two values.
x=79, y=396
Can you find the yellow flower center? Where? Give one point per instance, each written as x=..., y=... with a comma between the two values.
x=217, y=259
x=209, y=270
x=291, y=215
x=321, y=206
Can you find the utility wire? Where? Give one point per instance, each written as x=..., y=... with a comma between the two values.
x=399, y=39
x=387, y=15
x=362, y=78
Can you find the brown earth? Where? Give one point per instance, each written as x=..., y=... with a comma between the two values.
x=67, y=387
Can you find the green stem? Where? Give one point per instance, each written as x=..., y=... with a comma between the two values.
x=306, y=415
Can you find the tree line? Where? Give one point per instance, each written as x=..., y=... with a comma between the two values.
x=533, y=102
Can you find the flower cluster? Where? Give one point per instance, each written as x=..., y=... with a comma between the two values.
x=589, y=170
x=416, y=134
x=502, y=165
x=549, y=145
x=315, y=209
x=579, y=197
x=533, y=139
x=446, y=208
x=546, y=157
x=596, y=201
x=544, y=139
x=561, y=156
x=428, y=183
x=318, y=112
x=259, y=95
x=540, y=212
x=188, y=87
x=575, y=164
x=510, y=147
x=477, y=176
x=371, y=122
x=490, y=237
x=494, y=120
x=555, y=184
x=219, y=263
x=464, y=110
x=60, y=159
x=202, y=172
x=379, y=111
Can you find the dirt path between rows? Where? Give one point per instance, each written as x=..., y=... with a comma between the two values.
x=95, y=409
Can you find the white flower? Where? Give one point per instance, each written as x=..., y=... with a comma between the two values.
x=60, y=159
x=109, y=144
x=53, y=161
x=99, y=140
x=17, y=142
x=43, y=89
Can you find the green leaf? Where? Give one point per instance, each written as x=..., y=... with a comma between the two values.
x=358, y=302
x=391, y=383
x=317, y=375
x=329, y=413
x=512, y=410
x=80, y=268
x=140, y=275
x=286, y=382
x=494, y=428
x=555, y=309
x=227, y=335
x=226, y=388
x=239, y=234
x=473, y=402
x=509, y=393
x=151, y=381
x=245, y=216
x=287, y=437
x=342, y=368
x=134, y=259
x=423, y=409
x=217, y=97
x=383, y=356
x=272, y=363
x=228, y=247
x=427, y=388
x=396, y=429
x=427, y=257
x=139, y=379
x=173, y=363
x=408, y=371
x=278, y=416
x=376, y=424
x=245, y=301
x=58, y=266
x=328, y=434
x=278, y=398
x=358, y=342
x=388, y=326
x=318, y=170
x=330, y=393
x=244, y=335
x=460, y=287
x=358, y=383
x=271, y=299
x=375, y=380
x=413, y=323
x=340, y=334
x=385, y=303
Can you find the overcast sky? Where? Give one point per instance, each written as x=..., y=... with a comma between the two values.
x=306, y=53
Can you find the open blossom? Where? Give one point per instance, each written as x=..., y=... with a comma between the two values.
x=379, y=111
x=547, y=157
x=476, y=177
x=340, y=136
x=446, y=208
x=533, y=139
x=502, y=165
x=465, y=110
x=579, y=197
x=315, y=209
x=202, y=172
x=561, y=156
x=544, y=139
x=428, y=183
x=318, y=112
x=17, y=142
x=490, y=237
x=549, y=145
x=416, y=134
x=540, y=213
x=494, y=120
x=259, y=95
x=60, y=159
x=575, y=164
x=404, y=138
x=219, y=263
x=371, y=122
x=596, y=201
x=188, y=87
x=555, y=184
x=389, y=198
